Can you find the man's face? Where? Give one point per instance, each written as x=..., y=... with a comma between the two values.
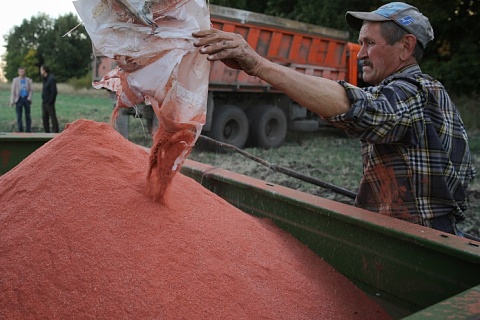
x=21, y=72
x=379, y=59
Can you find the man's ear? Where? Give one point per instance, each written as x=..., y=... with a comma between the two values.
x=409, y=43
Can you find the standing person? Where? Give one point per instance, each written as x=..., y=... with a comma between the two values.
x=49, y=96
x=21, y=96
x=416, y=161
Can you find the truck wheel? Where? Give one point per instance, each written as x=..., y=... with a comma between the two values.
x=230, y=125
x=268, y=126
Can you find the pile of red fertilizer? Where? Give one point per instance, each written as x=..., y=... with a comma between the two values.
x=79, y=239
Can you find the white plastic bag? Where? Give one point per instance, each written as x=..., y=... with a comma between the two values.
x=158, y=66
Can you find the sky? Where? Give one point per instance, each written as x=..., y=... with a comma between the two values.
x=12, y=15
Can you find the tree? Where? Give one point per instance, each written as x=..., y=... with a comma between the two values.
x=21, y=40
x=30, y=63
x=68, y=54
x=255, y=6
x=453, y=56
x=42, y=40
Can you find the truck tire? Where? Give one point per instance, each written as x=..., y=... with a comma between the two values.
x=268, y=126
x=230, y=125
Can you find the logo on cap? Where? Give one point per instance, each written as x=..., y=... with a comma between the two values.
x=405, y=21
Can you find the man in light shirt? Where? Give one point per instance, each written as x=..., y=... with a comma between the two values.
x=21, y=97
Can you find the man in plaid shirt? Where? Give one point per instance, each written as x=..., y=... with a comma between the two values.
x=416, y=160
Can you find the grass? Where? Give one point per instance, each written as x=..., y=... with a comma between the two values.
x=70, y=106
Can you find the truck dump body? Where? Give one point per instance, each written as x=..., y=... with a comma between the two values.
x=413, y=271
x=244, y=108
x=309, y=49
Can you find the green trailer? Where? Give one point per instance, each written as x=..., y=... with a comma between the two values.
x=412, y=271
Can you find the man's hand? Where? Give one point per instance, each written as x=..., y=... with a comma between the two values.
x=231, y=49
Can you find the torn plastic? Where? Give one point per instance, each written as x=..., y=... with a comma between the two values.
x=157, y=64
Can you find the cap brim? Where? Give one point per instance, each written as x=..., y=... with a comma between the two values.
x=355, y=19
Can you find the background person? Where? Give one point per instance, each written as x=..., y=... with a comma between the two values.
x=49, y=96
x=21, y=96
x=416, y=161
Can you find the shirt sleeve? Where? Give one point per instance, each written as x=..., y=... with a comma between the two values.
x=12, y=92
x=382, y=114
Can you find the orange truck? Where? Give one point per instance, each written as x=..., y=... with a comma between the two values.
x=244, y=109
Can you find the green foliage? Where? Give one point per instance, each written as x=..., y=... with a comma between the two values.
x=68, y=53
x=71, y=105
x=28, y=36
x=453, y=56
x=255, y=6
x=30, y=63
x=326, y=13
x=84, y=82
x=43, y=40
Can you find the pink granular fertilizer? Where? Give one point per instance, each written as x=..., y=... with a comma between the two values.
x=79, y=239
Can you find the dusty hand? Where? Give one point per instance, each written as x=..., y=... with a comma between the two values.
x=230, y=48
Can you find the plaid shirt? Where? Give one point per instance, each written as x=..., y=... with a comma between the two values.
x=416, y=160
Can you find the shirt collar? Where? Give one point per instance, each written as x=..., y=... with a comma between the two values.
x=410, y=69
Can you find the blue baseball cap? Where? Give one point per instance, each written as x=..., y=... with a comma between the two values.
x=406, y=16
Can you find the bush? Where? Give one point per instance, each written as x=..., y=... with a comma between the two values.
x=84, y=82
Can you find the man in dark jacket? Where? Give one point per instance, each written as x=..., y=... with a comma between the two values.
x=49, y=95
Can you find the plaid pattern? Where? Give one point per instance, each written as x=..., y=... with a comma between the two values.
x=416, y=160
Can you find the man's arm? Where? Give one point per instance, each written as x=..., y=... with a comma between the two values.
x=13, y=90
x=30, y=89
x=325, y=97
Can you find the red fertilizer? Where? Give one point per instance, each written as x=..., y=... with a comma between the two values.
x=167, y=148
x=81, y=240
